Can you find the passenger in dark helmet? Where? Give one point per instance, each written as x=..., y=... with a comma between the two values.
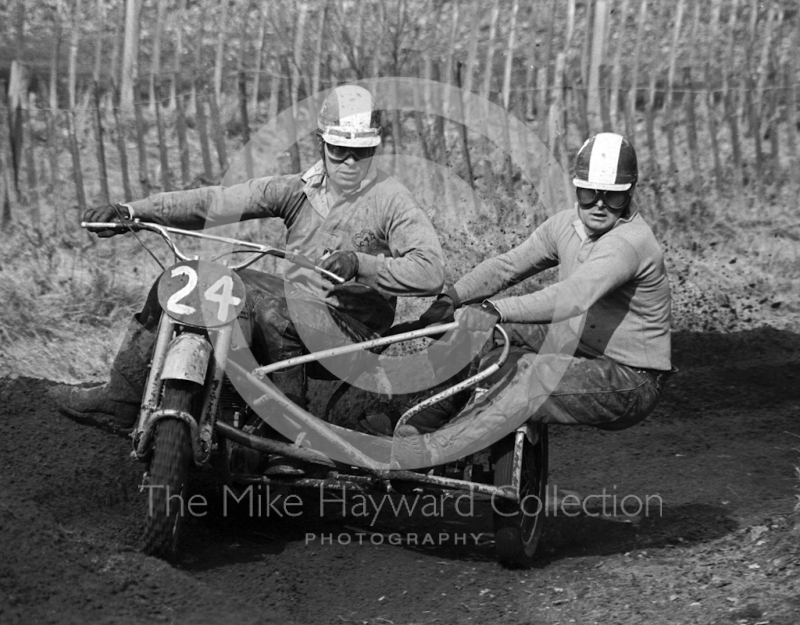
x=613, y=289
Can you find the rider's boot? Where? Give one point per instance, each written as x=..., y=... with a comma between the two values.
x=293, y=383
x=114, y=405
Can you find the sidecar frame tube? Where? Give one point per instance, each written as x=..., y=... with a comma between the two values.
x=260, y=443
x=367, y=484
x=354, y=347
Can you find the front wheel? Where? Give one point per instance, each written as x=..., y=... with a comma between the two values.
x=169, y=471
x=518, y=526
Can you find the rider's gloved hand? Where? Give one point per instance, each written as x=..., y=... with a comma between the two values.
x=441, y=311
x=479, y=317
x=343, y=264
x=105, y=214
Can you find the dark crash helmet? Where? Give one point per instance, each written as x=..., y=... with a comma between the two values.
x=606, y=161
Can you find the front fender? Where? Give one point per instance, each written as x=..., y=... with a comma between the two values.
x=187, y=358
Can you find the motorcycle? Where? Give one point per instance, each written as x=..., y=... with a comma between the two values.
x=201, y=408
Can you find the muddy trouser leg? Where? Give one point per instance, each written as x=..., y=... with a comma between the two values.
x=593, y=389
x=115, y=404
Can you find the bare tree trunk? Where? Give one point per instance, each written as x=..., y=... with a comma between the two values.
x=297, y=52
x=142, y=149
x=651, y=134
x=713, y=129
x=616, y=72
x=464, y=130
x=691, y=130
x=676, y=35
x=219, y=133
x=586, y=49
x=510, y=56
x=57, y=33
x=180, y=16
x=51, y=122
x=543, y=73
x=595, y=64
x=77, y=174
x=630, y=126
x=183, y=144
x=100, y=19
x=130, y=54
x=262, y=31
x=166, y=177
x=486, y=88
x=274, y=90
x=727, y=74
x=769, y=31
x=570, y=25
x=451, y=48
x=295, y=77
x=30, y=166
x=315, y=76
x=202, y=128
x=472, y=55
x=155, y=60
x=116, y=49
x=74, y=40
x=101, y=151
x=198, y=54
x=119, y=124
x=222, y=24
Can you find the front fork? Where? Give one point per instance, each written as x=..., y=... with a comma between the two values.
x=149, y=415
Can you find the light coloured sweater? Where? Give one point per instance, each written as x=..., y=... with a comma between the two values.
x=617, y=279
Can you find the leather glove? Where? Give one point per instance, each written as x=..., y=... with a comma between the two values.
x=441, y=311
x=343, y=264
x=111, y=212
x=479, y=317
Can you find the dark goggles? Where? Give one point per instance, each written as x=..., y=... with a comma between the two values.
x=615, y=200
x=340, y=153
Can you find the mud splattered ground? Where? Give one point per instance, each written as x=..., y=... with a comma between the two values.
x=715, y=464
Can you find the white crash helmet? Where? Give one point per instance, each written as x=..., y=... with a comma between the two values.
x=349, y=117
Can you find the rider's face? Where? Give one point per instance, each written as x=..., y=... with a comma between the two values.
x=348, y=172
x=598, y=217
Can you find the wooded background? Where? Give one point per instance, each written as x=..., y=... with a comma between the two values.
x=706, y=90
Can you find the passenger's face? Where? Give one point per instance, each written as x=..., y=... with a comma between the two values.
x=347, y=166
x=600, y=211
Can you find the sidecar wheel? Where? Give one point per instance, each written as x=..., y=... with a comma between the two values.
x=518, y=526
x=169, y=469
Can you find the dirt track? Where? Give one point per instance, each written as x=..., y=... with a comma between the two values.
x=719, y=453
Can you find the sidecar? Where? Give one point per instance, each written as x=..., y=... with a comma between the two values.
x=203, y=405
x=504, y=466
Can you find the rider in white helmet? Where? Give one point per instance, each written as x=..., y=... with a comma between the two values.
x=613, y=290
x=344, y=213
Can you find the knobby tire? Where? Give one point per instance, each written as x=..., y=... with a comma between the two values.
x=169, y=471
x=517, y=534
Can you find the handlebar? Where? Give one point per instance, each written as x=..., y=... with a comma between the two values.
x=259, y=251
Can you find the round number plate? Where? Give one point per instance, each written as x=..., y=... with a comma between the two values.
x=201, y=294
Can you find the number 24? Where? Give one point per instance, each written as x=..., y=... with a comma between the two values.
x=220, y=292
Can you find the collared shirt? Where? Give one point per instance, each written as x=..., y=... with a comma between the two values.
x=398, y=251
x=618, y=279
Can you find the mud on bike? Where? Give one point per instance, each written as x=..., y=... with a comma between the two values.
x=194, y=414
